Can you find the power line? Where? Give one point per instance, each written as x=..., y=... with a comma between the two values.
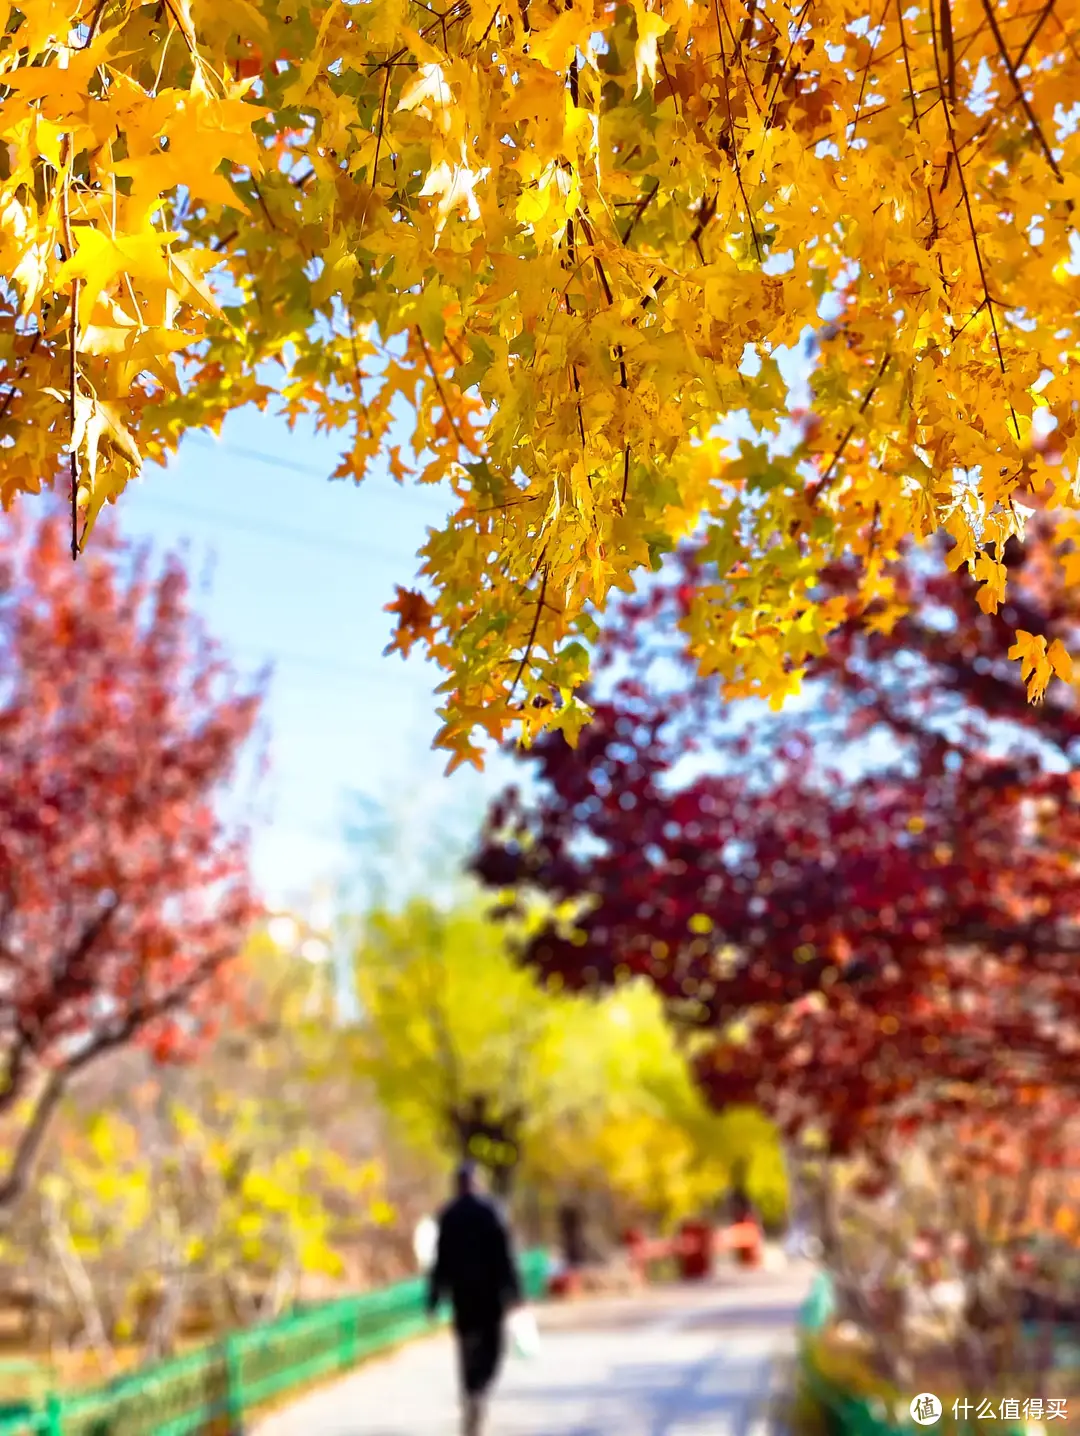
x=366, y=673
x=243, y=525
x=354, y=673
x=275, y=461
x=380, y=672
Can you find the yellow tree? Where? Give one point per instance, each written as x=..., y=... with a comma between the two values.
x=572, y=238
x=180, y=1195
x=645, y=1134
x=451, y=1031
x=575, y=1095
x=278, y=1134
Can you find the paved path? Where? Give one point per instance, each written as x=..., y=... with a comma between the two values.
x=692, y=1361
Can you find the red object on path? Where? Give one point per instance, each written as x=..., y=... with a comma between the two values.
x=565, y=1284
x=695, y=1251
x=744, y=1238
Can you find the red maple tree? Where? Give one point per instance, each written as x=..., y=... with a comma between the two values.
x=867, y=946
x=123, y=891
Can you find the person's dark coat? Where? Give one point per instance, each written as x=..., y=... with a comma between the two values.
x=474, y=1264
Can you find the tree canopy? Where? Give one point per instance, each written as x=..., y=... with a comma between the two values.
x=871, y=947
x=124, y=891
x=174, y=1200
x=571, y=240
x=468, y=1052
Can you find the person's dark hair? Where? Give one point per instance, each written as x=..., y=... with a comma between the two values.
x=465, y=1177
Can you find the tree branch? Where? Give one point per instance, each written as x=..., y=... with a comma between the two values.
x=30, y=1140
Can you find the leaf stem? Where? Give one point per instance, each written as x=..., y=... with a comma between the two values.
x=73, y=339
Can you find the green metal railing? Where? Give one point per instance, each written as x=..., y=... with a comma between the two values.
x=211, y=1389
x=850, y=1415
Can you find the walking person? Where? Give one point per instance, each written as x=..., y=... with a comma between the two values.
x=475, y=1268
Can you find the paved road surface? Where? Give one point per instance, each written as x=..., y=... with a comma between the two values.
x=692, y=1361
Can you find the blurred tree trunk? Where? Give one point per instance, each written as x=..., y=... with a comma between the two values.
x=571, y=1220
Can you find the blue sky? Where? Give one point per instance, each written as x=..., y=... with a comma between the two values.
x=298, y=571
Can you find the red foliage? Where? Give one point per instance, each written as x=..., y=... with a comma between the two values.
x=123, y=893
x=898, y=937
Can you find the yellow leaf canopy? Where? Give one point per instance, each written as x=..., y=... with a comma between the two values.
x=574, y=238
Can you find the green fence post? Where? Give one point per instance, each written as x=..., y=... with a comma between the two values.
x=234, y=1390
x=54, y=1415
x=350, y=1342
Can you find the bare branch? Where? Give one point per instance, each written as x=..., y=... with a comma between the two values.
x=29, y=1142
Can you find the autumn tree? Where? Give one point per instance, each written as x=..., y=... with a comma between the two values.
x=563, y=1100
x=177, y=1199
x=124, y=892
x=277, y=1135
x=448, y=1029
x=839, y=911
x=866, y=905
x=647, y=1147
x=572, y=242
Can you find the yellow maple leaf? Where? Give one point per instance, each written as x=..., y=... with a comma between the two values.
x=991, y=594
x=453, y=187
x=398, y=468
x=99, y=261
x=650, y=29
x=1035, y=666
x=427, y=88
x=1060, y=660
x=415, y=620
x=612, y=299
x=61, y=87
x=192, y=266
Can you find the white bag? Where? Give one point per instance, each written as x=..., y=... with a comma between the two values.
x=524, y=1333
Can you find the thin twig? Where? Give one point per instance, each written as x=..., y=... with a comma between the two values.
x=570, y=247
x=916, y=120
x=94, y=21
x=734, y=143
x=640, y=207
x=705, y=213
x=442, y=392
x=795, y=31
x=862, y=84
x=830, y=472
x=13, y=384
x=378, y=147
x=509, y=504
x=183, y=33
x=73, y=340
x=950, y=52
x=487, y=32
x=532, y=634
x=1044, y=15
x=962, y=177
x=601, y=274
x=1033, y=123
x=262, y=205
